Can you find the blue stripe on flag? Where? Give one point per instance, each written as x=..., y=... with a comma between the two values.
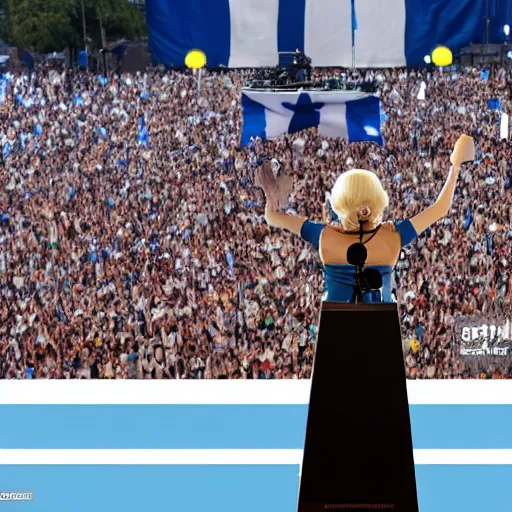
x=363, y=120
x=254, y=124
x=354, y=21
x=452, y=23
x=229, y=488
x=290, y=30
x=229, y=426
x=500, y=14
x=176, y=27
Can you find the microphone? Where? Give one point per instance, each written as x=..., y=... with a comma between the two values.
x=357, y=254
x=367, y=279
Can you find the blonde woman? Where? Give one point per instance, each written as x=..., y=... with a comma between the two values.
x=359, y=200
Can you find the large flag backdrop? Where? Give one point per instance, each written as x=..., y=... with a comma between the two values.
x=354, y=116
x=250, y=33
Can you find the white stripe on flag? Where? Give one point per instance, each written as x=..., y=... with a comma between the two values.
x=328, y=32
x=277, y=123
x=226, y=457
x=380, y=34
x=333, y=121
x=253, y=33
x=277, y=117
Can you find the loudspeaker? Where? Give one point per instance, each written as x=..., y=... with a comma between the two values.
x=358, y=452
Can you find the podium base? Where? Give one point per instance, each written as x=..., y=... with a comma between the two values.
x=358, y=451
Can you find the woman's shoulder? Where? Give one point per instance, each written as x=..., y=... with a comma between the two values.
x=311, y=232
x=406, y=231
x=384, y=228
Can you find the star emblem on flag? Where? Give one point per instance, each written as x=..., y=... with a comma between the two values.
x=305, y=113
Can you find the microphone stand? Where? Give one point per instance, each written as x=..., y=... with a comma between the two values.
x=356, y=255
x=366, y=281
x=358, y=288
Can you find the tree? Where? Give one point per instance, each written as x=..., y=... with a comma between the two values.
x=40, y=25
x=119, y=18
x=51, y=25
x=4, y=24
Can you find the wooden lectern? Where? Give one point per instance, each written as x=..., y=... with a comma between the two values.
x=358, y=450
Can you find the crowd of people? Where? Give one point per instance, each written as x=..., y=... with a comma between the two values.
x=133, y=242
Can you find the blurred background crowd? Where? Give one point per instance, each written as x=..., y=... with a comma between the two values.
x=133, y=242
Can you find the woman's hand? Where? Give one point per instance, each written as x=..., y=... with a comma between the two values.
x=276, y=190
x=464, y=151
x=266, y=180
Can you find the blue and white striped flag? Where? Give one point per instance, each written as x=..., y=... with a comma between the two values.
x=354, y=116
x=6, y=150
x=3, y=90
x=143, y=132
x=22, y=139
x=231, y=261
x=249, y=33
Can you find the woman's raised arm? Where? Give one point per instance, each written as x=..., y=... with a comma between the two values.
x=275, y=219
x=276, y=193
x=464, y=151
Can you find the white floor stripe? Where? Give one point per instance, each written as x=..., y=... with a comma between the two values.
x=465, y=457
x=470, y=392
x=174, y=457
x=226, y=457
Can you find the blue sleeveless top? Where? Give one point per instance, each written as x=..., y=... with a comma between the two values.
x=340, y=279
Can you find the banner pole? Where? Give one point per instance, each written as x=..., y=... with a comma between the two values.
x=354, y=28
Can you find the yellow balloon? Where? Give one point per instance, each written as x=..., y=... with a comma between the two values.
x=442, y=56
x=195, y=59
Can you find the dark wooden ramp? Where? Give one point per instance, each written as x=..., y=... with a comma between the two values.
x=358, y=450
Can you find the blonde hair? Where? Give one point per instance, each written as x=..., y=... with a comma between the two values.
x=358, y=195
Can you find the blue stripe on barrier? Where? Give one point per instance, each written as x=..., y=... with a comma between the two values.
x=153, y=426
x=229, y=426
x=229, y=488
x=152, y=488
x=463, y=488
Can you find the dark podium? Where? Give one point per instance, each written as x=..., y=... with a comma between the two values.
x=358, y=449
